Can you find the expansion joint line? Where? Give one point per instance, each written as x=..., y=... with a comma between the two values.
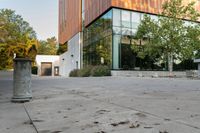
x=130, y=108
x=31, y=121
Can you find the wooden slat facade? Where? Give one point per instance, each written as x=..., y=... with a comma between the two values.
x=70, y=21
x=148, y=6
x=70, y=12
x=94, y=8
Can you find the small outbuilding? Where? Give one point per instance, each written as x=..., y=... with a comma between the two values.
x=198, y=61
x=48, y=65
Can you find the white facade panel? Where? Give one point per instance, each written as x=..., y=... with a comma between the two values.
x=54, y=59
x=71, y=59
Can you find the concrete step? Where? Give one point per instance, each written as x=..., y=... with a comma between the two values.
x=154, y=74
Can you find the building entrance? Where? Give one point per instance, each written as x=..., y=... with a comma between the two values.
x=46, y=69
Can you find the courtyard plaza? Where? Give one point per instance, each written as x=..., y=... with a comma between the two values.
x=102, y=105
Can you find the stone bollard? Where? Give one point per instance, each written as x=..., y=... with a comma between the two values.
x=22, y=80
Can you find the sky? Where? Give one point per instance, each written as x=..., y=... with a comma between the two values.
x=42, y=15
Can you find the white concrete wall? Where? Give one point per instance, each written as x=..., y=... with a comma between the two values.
x=54, y=59
x=71, y=59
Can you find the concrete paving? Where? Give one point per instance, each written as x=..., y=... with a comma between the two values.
x=103, y=105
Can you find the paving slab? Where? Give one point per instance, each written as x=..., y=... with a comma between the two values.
x=13, y=119
x=107, y=105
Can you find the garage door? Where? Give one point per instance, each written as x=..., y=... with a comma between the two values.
x=46, y=68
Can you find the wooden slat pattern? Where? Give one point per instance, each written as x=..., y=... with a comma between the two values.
x=69, y=19
x=94, y=8
x=148, y=6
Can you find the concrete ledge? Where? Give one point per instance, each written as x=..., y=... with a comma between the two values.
x=147, y=73
x=192, y=73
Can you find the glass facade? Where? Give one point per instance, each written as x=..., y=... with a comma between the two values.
x=125, y=25
x=97, y=48
x=108, y=40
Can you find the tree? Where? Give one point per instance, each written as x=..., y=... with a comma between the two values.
x=62, y=48
x=48, y=47
x=16, y=37
x=170, y=37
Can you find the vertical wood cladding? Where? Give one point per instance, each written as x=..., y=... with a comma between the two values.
x=70, y=12
x=94, y=8
x=69, y=19
x=149, y=6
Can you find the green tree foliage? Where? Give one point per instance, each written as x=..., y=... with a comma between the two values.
x=48, y=47
x=170, y=37
x=62, y=49
x=16, y=37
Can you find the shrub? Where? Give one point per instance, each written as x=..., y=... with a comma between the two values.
x=74, y=73
x=85, y=72
x=95, y=71
x=98, y=71
x=35, y=70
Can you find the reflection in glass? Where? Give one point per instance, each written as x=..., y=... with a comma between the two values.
x=116, y=17
x=97, y=46
x=126, y=19
x=126, y=31
x=109, y=40
x=117, y=30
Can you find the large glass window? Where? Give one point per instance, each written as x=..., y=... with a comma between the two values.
x=127, y=55
x=109, y=40
x=154, y=17
x=116, y=30
x=135, y=19
x=117, y=17
x=97, y=46
x=125, y=24
x=126, y=19
x=126, y=31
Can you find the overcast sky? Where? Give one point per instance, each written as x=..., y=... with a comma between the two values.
x=42, y=15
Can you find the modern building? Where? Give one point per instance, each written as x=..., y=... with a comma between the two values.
x=48, y=65
x=101, y=31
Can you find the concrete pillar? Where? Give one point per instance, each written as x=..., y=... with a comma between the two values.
x=22, y=80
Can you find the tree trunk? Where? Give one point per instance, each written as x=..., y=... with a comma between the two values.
x=170, y=64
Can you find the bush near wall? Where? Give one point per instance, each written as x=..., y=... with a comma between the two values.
x=98, y=71
x=74, y=73
x=85, y=72
x=95, y=71
x=35, y=70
